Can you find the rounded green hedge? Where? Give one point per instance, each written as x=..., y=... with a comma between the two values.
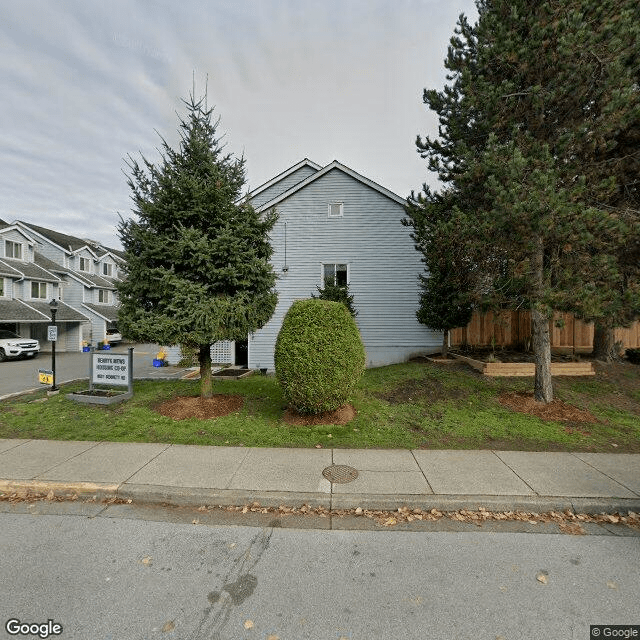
x=319, y=356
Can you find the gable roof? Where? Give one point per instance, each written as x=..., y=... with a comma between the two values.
x=14, y=227
x=69, y=243
x=18, y=311
x=316, y=176
x=29, y=270
x=281, y=176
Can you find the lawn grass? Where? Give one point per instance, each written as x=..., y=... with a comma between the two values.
x=407, y=406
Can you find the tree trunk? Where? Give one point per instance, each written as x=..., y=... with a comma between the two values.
x=604, y=341
x=445, y=343
x=543, y=388
x=206, y=383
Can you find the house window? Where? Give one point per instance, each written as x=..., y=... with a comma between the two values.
x=335, y=209
x=335, y=274
x=1, y=287
x=106, y=269
x=84, y=264
x=12, y=250
x=103, y=296
x=39, y=290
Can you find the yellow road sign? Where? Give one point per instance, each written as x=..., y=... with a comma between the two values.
x=45, y=376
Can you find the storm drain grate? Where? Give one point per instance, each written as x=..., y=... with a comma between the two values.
x=340, y=474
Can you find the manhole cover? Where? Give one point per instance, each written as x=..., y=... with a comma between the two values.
x=340, y=473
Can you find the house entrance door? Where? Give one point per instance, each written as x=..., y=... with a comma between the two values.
x=242, y=353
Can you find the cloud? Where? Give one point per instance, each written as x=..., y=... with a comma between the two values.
x=86, y=83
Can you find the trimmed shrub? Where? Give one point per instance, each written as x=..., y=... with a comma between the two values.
x=319, y=356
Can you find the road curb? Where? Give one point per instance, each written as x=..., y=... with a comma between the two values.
x=60, y=489
x=197, y=497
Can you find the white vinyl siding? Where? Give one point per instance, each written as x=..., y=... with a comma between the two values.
x=383, y=267
x=282, y=185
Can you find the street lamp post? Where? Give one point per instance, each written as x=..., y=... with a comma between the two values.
x=53, y=305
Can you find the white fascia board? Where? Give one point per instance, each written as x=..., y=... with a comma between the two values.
x=24, y=226
x=316, y=176
x=16, y=227
x=281, y=176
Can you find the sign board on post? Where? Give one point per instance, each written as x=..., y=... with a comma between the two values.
x=111, y=369
x=52, y=333
x=45, y=376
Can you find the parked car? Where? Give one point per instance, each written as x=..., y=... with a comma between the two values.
x=13, y=346
x=113, y=336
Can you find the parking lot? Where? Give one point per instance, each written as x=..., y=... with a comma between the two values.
x=21, y=375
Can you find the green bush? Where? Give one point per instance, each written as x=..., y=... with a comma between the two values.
x=319, y=356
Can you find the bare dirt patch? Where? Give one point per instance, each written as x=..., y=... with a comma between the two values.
x=556, y=410
x=344, y=414
x=184, y=407
x=425, y=389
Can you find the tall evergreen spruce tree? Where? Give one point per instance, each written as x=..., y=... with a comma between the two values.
x=197, y=257
x=447, y=284
x=524, y=125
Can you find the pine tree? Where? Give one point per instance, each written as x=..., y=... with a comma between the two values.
x=448, y=281
x=335, y=292
x=197, y=255
x=524, y=125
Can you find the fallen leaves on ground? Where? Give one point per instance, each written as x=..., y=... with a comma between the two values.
x=168, y=626
x=568, y=521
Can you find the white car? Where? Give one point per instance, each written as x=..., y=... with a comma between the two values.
x=114, y=336
x=13, y=346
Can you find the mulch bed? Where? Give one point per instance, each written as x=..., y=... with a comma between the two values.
x=182, y=408
x=556, y=410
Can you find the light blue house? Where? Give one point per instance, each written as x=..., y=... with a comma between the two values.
x=335, y=222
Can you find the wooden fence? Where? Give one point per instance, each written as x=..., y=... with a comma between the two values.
x=513, y=329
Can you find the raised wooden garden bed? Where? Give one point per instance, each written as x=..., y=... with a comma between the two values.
x=527, y=368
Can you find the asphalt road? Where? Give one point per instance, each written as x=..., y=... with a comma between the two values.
x=22, y=375
x=122, y=579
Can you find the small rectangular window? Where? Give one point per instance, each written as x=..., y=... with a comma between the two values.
x=84, y=264
x=39, y=290
x=1, y=287
x=335, y=209
x=335, y=274
x=103, y=296
x=106, y=269
x=12, y=250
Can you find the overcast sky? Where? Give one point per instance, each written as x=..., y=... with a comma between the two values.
x=85, y=83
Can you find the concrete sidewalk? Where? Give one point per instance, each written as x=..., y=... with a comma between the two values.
x=386, y=479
